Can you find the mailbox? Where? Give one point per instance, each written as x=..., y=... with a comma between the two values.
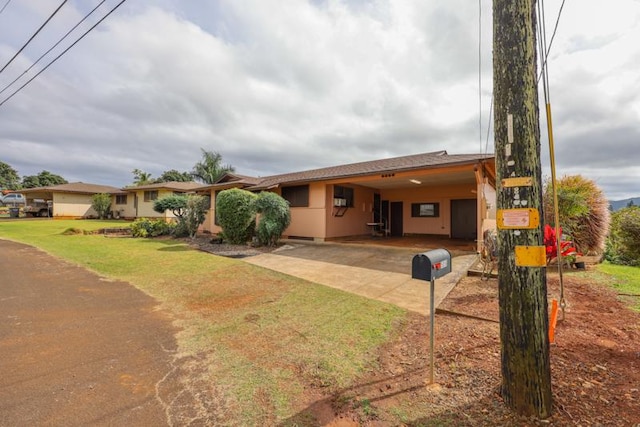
x=431, y=265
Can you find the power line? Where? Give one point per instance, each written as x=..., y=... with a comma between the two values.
x=5, y=5
x=553, y=36
x=52, y=47
x=63, y=52
x=33, y=36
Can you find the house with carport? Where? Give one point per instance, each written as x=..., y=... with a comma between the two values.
x=72, y=200
x=436, y=193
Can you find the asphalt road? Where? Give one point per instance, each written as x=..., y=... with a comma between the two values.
x=76, y=349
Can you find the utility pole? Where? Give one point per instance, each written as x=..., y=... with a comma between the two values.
x=524, y=322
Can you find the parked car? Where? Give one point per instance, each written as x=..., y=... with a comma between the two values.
x=13, y=199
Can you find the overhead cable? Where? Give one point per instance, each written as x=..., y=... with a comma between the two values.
x=5, y=5
x=33, y=36
x=63, y=52
x=51, y=48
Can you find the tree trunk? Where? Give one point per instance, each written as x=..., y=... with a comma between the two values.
x=526, y=373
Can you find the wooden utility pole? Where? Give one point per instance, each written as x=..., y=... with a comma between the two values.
x=526, y=372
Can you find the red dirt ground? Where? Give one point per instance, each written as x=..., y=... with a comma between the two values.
x=595, y=365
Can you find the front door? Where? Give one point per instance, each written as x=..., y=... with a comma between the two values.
x=464, y=221
x=396, y=219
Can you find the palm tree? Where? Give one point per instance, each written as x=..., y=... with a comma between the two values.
x=141, y=178
x=210, y=168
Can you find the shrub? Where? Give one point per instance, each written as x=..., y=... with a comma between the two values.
x=236, y=214
x=101, y=203
x=275, y=217
x=623, y=244
x=145, y=227
x=584, y=212
x=190, y=210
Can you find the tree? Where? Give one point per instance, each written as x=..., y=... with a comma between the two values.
x=101, y=203
x=9, y=178
x=190, y=211
x=236, y=212
x=583, y=212
x=174, y=203
x=525, y=363
x=210, y=168
x=43, y=179
x=275, y=217
x=623, y=244
x=631, y=204
x=141, y=178
x=175, y=176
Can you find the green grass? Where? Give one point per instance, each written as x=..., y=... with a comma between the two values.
x=263, y=336
x=626, y=280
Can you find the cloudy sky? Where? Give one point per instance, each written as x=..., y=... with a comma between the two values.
x=280, y=86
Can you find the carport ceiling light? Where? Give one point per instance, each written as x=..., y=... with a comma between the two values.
x=415, y=181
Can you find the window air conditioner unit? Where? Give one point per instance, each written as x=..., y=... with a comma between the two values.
x=339, y=202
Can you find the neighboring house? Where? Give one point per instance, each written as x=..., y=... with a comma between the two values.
x=431, y=193
x=71, y=200
x=138, y=202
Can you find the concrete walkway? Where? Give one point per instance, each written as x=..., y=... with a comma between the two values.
x=380, y=273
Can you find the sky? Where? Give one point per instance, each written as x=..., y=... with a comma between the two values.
x=283, y=86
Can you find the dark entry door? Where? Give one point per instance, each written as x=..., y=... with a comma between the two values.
x=396, y=219
x=464, y=222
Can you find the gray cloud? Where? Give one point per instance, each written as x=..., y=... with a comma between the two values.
x=282, y=86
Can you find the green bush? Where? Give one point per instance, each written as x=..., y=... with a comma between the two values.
x=190, y=211
x=275, y=217
x=623, y=244
x=101, y=203
x=235, y=209
x=584, y=212
x=145, y=227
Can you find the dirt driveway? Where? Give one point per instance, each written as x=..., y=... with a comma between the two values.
x=76, y=349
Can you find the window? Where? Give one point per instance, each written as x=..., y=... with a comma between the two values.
x=121, y=199
x=151, y=195
x=297, y=195
x=425, y=209
x=344, y=195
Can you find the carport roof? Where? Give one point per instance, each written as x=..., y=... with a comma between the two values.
x=75, y=187
x=430, y=160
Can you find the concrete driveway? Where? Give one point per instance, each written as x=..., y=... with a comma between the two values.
x=378, y=272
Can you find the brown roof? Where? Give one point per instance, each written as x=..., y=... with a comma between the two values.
x=171, y=185
x=230, y=180
x=396, y=164
x=75, y=187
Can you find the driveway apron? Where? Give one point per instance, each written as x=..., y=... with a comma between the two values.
x=381, y=273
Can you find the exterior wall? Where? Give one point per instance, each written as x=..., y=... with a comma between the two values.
x=355, y=219
x=145, y=209
x=309, y=221
x=70, y=205
x=436, y=194
x=127, y=210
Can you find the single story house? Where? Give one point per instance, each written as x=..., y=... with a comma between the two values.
x=137, y=201
x=434, y=193
x=72, y=200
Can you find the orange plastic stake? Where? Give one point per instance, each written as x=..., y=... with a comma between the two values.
x=553, y=320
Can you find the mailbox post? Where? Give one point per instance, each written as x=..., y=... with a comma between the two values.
x=428, y=266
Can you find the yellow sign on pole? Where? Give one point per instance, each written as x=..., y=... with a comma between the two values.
x=525, y=181
x=514, y=219
x=531, y=256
